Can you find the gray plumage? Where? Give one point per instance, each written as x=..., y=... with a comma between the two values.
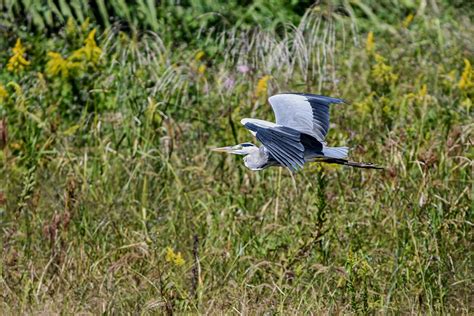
x=307, y=113
x=297, y=137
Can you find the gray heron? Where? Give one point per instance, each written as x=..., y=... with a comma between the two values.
x=296, y=137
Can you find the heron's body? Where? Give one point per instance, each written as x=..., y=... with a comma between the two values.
x=297, y=136
x=260, y=158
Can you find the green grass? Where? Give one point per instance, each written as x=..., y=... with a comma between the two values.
x=105, y=168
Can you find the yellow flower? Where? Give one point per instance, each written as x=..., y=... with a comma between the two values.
x=92, y=51
x=331, y=167
x=423, y=91
x=89, y=52
x=16, y=146
x=451, y=76
x=85, y=25
x=41, y=80
x=315, y=167
x=382, y=73
x=406, y=23
x=449, y=79
x=123, y=38
x=370, y=43
x=202, y=69
x=56, y=65
x=467, y=103
x=59, y=65
x=3, y=93
x=421, y=97
x=17, y=61
x=18, y=49
x=262, y=86
x=366, y=105
x=199, y=55
x=465, y=83
x=173, y=257
x=70, y=26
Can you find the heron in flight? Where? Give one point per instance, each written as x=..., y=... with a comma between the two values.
x=297, y=136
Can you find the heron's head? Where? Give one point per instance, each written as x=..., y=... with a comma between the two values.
x=240, y=149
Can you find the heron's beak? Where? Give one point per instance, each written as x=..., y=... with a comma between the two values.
x=237, y=150
x=228, y=149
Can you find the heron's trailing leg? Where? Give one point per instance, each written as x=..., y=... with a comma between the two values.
x=344, y=162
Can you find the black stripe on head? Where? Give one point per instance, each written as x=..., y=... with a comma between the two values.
x=247, y=145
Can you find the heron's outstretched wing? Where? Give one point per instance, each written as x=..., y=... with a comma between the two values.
x=306, y=113
x=282, y=142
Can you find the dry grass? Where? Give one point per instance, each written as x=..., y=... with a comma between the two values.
x=102, y=171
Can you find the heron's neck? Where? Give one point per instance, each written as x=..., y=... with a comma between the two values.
x=256, y=159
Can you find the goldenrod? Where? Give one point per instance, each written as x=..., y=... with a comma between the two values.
x=466, y=83
x=366, y=105
x=17, y=61
x=406, y=23
x=420, y=96
x=370, y=43
x=423, y=91
x=199, y=55
x=202, y=69
x=70, y=26
x=262, y=86
x=173, y=257
x=89, y=52
x=467, y=103
x=59, y=65
x=382, y=73
x=3, y=93
x=85, y=24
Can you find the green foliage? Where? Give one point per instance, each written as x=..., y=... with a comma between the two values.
x=181, y=20
x=111, y=202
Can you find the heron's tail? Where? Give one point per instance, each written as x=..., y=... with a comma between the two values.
x=338, y=155
x=336, y=152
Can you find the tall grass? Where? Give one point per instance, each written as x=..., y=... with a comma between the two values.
x=105, y=170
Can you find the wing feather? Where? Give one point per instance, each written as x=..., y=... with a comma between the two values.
x=282, y=142
x=306, y=113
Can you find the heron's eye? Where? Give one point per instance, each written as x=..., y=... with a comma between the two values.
x=246, y=145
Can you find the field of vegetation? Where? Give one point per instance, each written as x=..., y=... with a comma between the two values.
x=112, y=202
